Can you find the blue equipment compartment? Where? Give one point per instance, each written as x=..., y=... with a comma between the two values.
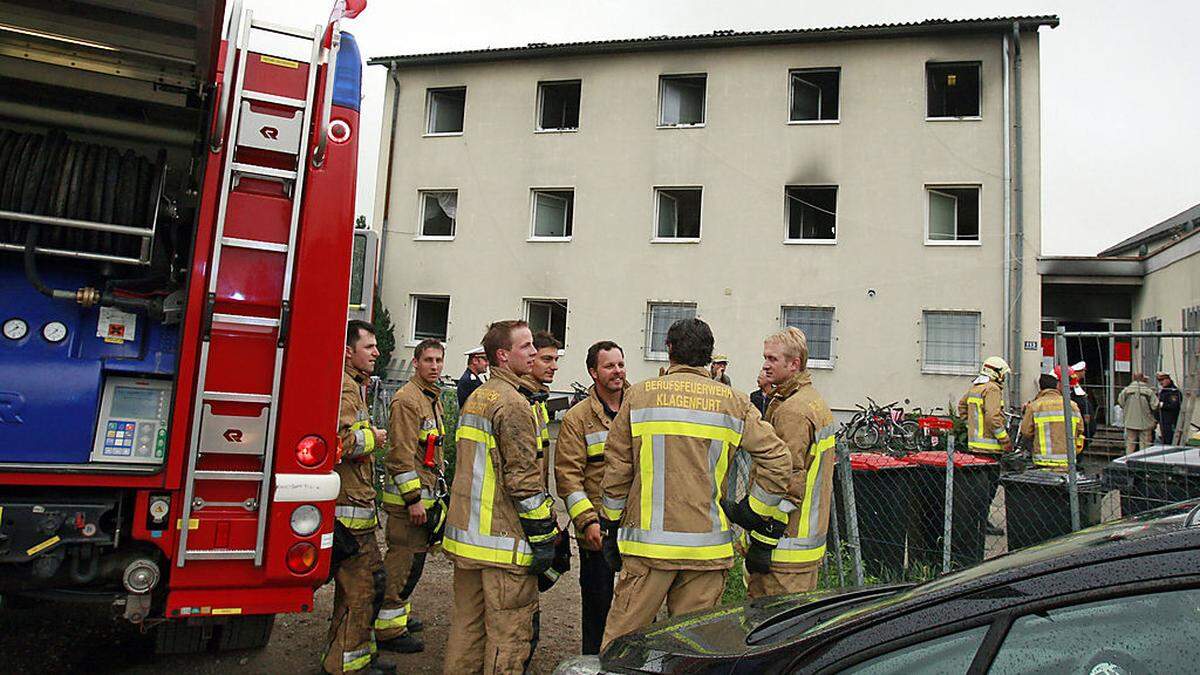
x=50, y=390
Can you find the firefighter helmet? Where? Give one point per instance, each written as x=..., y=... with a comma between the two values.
x=995, y=368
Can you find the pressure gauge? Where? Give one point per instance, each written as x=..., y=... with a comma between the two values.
x=54, y=332
x=15, y=329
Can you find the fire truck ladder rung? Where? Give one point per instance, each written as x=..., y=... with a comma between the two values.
x=281, y=29
x=221, y=554
x=245, y=320
x=236, y=397
x=255, y=244
x=264, y=171
x=228, y=475
x=272, y=98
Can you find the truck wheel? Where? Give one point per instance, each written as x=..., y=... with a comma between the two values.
x=177, y=637
x=245, y=632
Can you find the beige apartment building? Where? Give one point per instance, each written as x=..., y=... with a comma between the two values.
x=877, y=186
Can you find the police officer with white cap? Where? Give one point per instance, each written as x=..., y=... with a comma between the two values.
x=475, y=374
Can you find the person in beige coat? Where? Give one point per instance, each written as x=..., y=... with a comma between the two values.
x=1138, y=401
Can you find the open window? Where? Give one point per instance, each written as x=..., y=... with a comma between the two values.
x=953, y=214
x=677, y=216
x=446, y=110
x=817, y=324
x=811, y=213
x=814, y=94
x=553, y=214
x=548, y=315
x=681, y=100
x=558, y=105
x=430, y=317
x=951, y=342
x=439, y=214
x=953, y=90
x=659, y=317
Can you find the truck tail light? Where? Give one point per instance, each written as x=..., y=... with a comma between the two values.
x=302, y=557
x=306, y=520
x=311, y=451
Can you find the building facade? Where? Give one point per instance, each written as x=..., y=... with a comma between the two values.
x=859, y=183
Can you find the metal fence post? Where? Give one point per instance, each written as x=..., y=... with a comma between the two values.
x=1064, y=386
x=837, y=545
x=843, y=456
x=948, y=522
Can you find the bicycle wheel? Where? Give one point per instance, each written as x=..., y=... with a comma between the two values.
x=865, y=437
x=910, y=431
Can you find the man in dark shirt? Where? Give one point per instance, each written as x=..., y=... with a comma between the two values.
x=761, y=397
x=475, y=374
x=1169, y=400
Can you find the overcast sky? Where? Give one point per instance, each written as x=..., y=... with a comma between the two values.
x=1120, y=81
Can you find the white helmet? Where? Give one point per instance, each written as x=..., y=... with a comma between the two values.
x=995, y=368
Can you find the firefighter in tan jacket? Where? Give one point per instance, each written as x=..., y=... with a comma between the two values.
x=536, y=388
x=358, y=577
x=1043, y=422
x=983, y=408
x=500, y=531
x=666, y=457
x=578, y=470
x=412, y=494
x=802, y=419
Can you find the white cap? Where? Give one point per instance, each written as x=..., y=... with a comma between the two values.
x=474, y=350
x=1082, y=365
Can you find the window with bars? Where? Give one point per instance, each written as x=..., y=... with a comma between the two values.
x=951, y=342
x=817, y=324
x=430, y=317
x=548, y=315
x=659, y=317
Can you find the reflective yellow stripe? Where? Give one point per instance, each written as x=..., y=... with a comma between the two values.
x=486, y=554
x=610, y=514
x=392, y=498
x=722, y=468
x=798, y=555
x=688, y=429
x=672, y=552
x=760, y=507
x=477, y=435
x=539, y=512
x=487, y=495
x=410, y=486
x=579, y=507
x=595, y=449
x=646, y=464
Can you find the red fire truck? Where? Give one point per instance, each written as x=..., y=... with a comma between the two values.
x=176, y=226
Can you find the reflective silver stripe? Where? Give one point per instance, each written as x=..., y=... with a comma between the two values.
x=478, y=467
x=711, y=419
x=574, y=498
x=488, y=541
x=786, y=507
x=347, y=657
x=531, y=503
x=715, y=450
x=596, y=437
x=764, y=496
x=613, y=504
x=674, y=538
x=389, y=614
x=391, y=488
x=353, y=512
x=402, y=478
x=427, y=494
x=796, y=544
x=476, y=422
x=824, y=467
x=658, y=489
x=360, y=442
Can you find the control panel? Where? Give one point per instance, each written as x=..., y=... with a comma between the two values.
x=132, y=427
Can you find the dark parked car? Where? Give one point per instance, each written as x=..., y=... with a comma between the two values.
x=1122, y=597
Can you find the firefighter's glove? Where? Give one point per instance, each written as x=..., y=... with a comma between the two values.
x=560, y=566
x=537, y=521
x=608, y=547
x=747, y=514
x=435, y=522
x=762, y=543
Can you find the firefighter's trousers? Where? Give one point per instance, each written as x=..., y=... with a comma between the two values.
x=351, y=641
x=799, y=580
x=494, y=626
x=641, y=590
x=407, y=545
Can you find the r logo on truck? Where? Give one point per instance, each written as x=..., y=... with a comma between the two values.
x=233, y=435
x=269, y=132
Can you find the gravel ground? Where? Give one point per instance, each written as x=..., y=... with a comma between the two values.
x=85, y=638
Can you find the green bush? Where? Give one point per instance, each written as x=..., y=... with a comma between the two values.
x=450, y=420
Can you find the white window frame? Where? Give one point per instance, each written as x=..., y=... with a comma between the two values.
x=787, y=216
x=429, y=93
x=938, y=369
x=533, y=193
x=537, y=111
x=925, y=76
x=935, y=187
x=413, y=300
x=791, y=94
x=654, y=238
x=822, y=364
x=647, y=342
x=662, y=80
x=526, y=306
x=421, y=194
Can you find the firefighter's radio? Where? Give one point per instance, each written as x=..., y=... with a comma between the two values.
x=132, y=427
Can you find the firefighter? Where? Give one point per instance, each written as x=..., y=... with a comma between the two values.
x=578, y=470
x=359, y=575
x=411, y=494
x=802, y=419
x=983, y=407
x=665, y=527
x=500, y=532
x=1043, y=421
x=536, y=388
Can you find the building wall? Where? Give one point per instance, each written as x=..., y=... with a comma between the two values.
x=1165, y=294
x=881, y=155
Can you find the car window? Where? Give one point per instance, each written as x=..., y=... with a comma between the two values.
x=1154, y=633
x=947, y=655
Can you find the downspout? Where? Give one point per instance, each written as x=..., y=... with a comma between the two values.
x=1009, y=353
x=1018, y=260
x=387, y=185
